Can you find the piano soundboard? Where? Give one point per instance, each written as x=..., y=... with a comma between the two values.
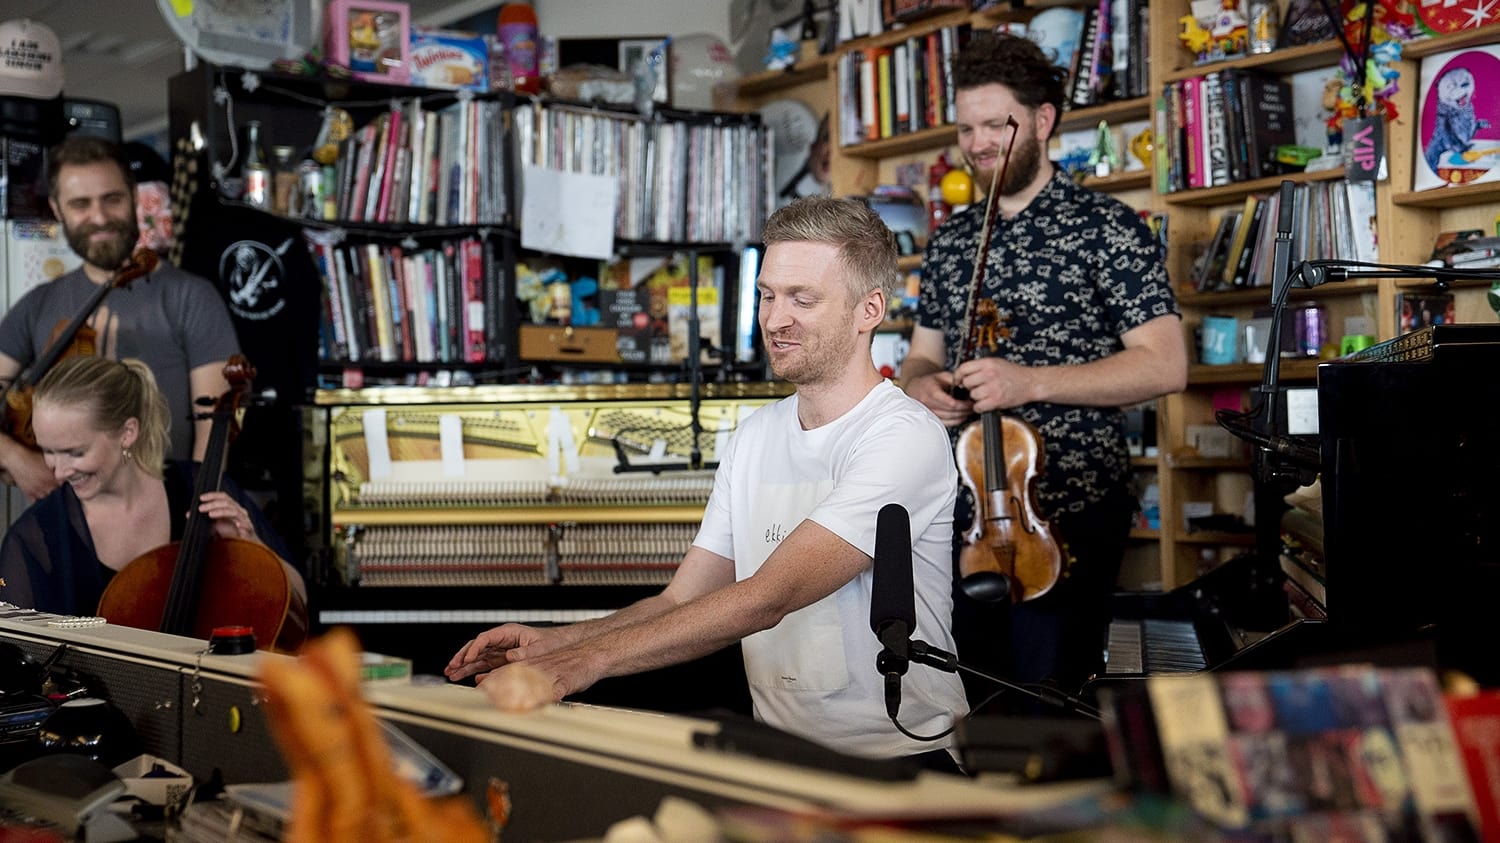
x=521, y=493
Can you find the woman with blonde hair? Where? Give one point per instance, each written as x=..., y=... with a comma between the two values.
x=102, y=426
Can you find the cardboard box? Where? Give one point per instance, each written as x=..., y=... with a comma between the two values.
x=153, y=780
x=370, y=37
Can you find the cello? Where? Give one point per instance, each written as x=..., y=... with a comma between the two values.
x=190, y=586
x=69, y=338
x=1010, y=551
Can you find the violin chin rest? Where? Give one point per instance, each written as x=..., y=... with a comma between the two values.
x=986, y=586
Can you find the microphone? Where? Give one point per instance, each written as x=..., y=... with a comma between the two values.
x=893, y=607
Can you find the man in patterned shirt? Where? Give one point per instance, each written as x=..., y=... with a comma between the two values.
x=1089, y=326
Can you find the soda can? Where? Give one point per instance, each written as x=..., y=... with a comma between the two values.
x=310, y=188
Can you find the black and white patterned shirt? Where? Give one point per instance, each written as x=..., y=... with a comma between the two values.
x=1070, y=274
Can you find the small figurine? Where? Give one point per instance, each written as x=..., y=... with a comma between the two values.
x=1105, y=158
x=1143, y=147
x=1193, y=36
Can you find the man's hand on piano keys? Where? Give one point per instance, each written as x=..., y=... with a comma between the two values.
x=497, y=647
x=519, y=687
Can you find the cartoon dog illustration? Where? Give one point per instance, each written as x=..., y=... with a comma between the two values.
x=1456, y=121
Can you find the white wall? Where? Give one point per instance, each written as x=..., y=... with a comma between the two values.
x=627, y=18
x=608, y=18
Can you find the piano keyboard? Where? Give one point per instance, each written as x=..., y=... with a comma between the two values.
x=489, y=616
x=1153, y=645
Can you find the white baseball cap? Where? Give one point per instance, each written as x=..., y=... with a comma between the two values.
x=30, y=60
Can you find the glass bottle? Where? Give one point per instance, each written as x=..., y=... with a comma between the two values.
x=517, y=31
x=283, y=180
x=254, y=171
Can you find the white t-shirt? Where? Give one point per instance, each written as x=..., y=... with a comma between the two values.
x=814, y=673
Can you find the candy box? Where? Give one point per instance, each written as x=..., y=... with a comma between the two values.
x=444, y=58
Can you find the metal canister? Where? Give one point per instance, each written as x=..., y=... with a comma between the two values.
x=310, y=188
x=1264, y=28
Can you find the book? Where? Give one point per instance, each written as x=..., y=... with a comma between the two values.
x=1210, y=271
x=1419, y=309
x=1476, y=729
x=1257, y=220
x=1351, y=752
x=1241, y=236
x=1266, y=120
x=1081, y=75
x=1216, y=132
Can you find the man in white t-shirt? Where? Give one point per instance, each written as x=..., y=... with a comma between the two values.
x=782, y=562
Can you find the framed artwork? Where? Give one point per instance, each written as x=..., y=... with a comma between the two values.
x=371, y=38
x=633, y=52
x=1458, y=118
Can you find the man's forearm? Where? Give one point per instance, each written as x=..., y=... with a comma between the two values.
x=637, y=612
x=916, y=367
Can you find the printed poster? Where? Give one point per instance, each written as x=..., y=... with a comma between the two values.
x=1458, y=127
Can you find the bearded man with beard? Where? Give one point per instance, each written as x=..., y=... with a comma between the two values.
x=1089, y=326
x=174, y=321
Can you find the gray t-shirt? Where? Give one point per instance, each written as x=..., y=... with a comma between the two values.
x=172, y=320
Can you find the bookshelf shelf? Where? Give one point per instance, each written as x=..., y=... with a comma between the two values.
x=1454, y=284
x=1207, y=463
x=1244, y=373
x=937, y=137
x=1119, y=181
x=771, y=81
x=1285, y=60
x=1414, y=50
x=1262, y=295
x=1453, y=196
x=1212, y=196
x=1087, y=117
x=918, y=141
x=1217, y=537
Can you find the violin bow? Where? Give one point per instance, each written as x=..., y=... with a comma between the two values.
x=991, y=208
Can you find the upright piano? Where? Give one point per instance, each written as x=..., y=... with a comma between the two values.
x=448, y=511
x=1410, y=531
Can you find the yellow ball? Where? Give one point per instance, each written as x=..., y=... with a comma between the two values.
x=957, y=187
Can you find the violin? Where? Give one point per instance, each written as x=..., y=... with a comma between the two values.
x=1010, y=550
x=69, y=338
x=202, y=581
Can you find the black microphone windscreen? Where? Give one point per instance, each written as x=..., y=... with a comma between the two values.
x=1284, y=215
x=891, y=590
